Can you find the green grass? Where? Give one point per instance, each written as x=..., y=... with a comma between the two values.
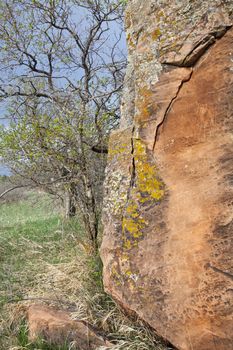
x=33, y=237
x=40, y=344
x=46, y=259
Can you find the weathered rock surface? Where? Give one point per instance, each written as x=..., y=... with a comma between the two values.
x=167, y=244
x=57, y=328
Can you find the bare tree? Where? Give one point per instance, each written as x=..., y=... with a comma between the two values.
x=62, y=66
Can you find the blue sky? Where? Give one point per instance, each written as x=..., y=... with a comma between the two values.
x=4, y=170
x=114, y=30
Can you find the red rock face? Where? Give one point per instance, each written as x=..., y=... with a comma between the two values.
x=194, y=154
x=167, y=245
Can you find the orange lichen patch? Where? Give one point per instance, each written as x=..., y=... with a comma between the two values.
x=131, y=41
x=145, y=104
x=156, y=34
x=144, y=92
x=144, y=42
x=128, y=21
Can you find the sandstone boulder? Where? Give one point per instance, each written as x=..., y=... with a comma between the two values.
x=57, y=328
x=167, y=244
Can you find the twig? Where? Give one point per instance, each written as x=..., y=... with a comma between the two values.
x=12, y=189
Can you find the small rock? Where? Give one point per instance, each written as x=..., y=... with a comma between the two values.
x=56, y=327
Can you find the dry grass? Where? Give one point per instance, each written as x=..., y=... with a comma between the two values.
x=44, y=259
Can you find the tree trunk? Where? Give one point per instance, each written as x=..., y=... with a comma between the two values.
x=70, y=206
x=90, y=216
x=91, y=226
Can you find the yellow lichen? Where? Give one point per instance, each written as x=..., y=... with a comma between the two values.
x=128, y=273
x=131, y=285
x=127, y=244
x=116, y=276
x=160, y=14
x=148, y=188
x=130, y=225
x=118, y=149
x=148, y=185
x=131, y=208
